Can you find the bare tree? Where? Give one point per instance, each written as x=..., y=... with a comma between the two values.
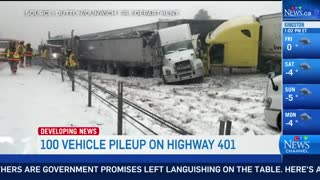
x=202, y=15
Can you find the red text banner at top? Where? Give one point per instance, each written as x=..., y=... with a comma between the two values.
x=72, y=131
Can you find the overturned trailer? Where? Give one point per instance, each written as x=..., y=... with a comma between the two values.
x=124, y=56
x=128, y=51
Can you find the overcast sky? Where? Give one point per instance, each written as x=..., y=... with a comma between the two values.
x=14, y=23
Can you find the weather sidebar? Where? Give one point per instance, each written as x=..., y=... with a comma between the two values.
x=300, y=77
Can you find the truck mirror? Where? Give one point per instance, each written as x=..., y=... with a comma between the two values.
x=160, y=52
x=271, y=75
x=200, y=52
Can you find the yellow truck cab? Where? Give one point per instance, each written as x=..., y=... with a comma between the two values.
x=234, y=45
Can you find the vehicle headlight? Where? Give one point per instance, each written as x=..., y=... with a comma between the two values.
x=54, y=55
x=168, y=72
x=268, y=102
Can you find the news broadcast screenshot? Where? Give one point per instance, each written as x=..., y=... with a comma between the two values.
x=163, y=89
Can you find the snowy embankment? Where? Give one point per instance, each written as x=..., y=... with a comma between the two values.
x=198, y=108
x=29, y=101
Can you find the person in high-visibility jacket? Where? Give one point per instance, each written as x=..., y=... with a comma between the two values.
x=13, y=57
x=28, y=55
x=71, y=62
x=21, y=50
x=44, y=53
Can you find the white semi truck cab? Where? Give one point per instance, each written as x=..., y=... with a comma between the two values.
x=179, y=57
x=273, y=101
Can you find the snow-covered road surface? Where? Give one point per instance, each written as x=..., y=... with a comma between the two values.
x=198, y=108
x=29, y=101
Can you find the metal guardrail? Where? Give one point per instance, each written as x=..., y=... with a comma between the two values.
x=224, y=128
x=121, y=101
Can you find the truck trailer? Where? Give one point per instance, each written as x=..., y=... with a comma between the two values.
x=246, y=44
x=270, y=44
x=122, y=56
x=130, y=51
x=167, y=52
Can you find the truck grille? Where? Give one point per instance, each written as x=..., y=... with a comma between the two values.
x=183, y=66
x=185, y=74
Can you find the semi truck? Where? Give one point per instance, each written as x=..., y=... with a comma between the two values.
x=167, y=53
x=179, y=61
x=246, y=44
x=136, y=51
x=54, y=53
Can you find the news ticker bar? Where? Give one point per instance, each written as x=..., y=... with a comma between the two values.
x=140, y=158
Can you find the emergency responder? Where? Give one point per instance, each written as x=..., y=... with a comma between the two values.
x=21, y=50
x=62, y=57
x=71, y=62
x=44, y=53
x=44, y=58
x=28, y=54
x=13, y=57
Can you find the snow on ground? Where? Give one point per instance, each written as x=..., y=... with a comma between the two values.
x=29, y=101
x=197, y=108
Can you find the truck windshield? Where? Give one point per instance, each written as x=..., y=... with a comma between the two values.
x=178, y=46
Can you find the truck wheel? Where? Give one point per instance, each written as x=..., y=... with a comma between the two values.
x=104, y=68
x=119, y=73
x=133, y=72
x=147, y=72
x=199, y=79
x=110, y=69
x=122, y=71
x=164, y=80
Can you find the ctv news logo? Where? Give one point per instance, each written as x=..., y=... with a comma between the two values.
x=299, y=145
x=295, y=11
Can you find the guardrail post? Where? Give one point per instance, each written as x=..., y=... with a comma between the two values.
x=89, y=85
x=61, y=68
x=72, y=78
x=120, y=98
x=225, y=127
